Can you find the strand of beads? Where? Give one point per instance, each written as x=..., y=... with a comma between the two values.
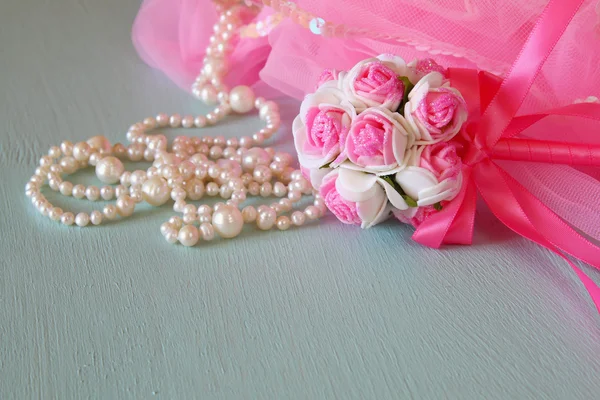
x=192, y=167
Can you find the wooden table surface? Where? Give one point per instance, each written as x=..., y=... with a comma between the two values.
x=321, y=312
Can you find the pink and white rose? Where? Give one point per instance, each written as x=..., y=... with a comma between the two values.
x=378, y=140
x=359, y=198
x=434, y=175
x=321, y=128
x=414, y=216
x=422, y=66
x=327, y=76
x=374, y=82
x=435, y=111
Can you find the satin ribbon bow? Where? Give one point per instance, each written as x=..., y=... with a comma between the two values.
x=489, y=135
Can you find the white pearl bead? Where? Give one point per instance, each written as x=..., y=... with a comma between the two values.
x=171, y=236
x=175, y=121
x=298, y=218
x=207, y=231
x=107, y=192
x=67, y=218
x=194, y=189
x=283, y=223
x=68, y=164
x=155, y=191
x=99, y=143
x=228, y=221
x=162, y=120
x=81, y=151
x=125, y=205
x=188, y=235
x=266, y=219
x=187, y=121
x=82, y=219
x=55, y=213
x=208, y=95
x=66, y=188
x=92, y=193
x=96, y=217
x=79, y=191
x=241, y=99
x=110, y=211
x=109, y=169
x=176, y=222
x=312, y=212
x=66, y=147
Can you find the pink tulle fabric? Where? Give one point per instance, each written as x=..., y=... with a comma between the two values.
x=171, y=35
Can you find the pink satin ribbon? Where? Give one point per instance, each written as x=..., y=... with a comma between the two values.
x=493, y=104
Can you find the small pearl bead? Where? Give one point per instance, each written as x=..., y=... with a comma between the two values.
x=66, y=188
x=67, y=218
x=138, y=177
x=78, y=191
x=195, y=189
x=262, y=174
x=175, y=121
x=266, y=219
x=99, y=143
x=207, y=231
x=228, y=221
x=200, y=121
x=162, y=120
x=249, y=214
x=171, y=236
x=294, y=195
x=266, y=189
x=120, y=190
x=312, y=212
x=178, y=194
x=179, y=205
x=155, y=191
x=204, y=209
x=68, y=165
x=212, y=189
x=189, y=218
x=187, y=121
x=286, y=204
x=96, y=217
x=110, y=211
x=279, y=189
x=176, y=222
x=107, y=192
x=225, y=192
x=125, y=205
x=208, y=95
x=55, y=213
x=66, y=147
x=283, y=223
x=82, y=219
x=298, y=218
x=92, y=193
x=81, y=151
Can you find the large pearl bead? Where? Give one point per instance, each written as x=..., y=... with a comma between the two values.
x=228, y=221
x=241, y=99
x=109, y=169
x=155, y=191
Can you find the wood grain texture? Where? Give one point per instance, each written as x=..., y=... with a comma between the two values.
x=323, y=312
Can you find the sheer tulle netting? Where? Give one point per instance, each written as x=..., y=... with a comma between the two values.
x=171, y=35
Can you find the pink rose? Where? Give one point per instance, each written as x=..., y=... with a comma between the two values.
x=345, y=210
x=441, y=160
x=423, y=66
x=327, y=75
x=374, y=82
x=377, y=140
x=435, y=111
x=357, y=198
x=321, y=128
x=414, y=216
x=434, y=174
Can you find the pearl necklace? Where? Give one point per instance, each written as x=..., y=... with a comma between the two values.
x=192, y=167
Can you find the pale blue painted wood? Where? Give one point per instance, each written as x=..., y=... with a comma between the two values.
x=320, y=312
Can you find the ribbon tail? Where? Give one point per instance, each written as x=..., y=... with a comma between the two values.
x=454, y=224
x=522, y=212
